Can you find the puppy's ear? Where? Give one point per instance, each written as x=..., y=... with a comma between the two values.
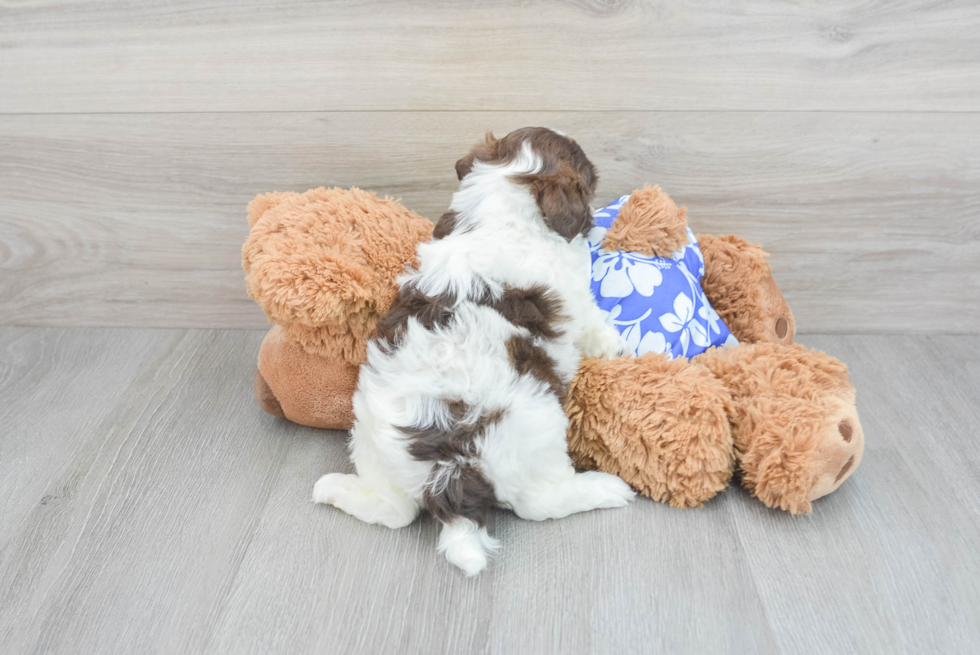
x=563, y=198
x=485, y=152
x=464, y=165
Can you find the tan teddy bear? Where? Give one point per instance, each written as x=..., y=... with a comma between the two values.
x=323, y=265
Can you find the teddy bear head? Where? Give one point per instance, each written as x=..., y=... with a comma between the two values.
x=323, y=264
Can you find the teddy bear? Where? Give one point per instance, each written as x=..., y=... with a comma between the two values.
x=677, y=427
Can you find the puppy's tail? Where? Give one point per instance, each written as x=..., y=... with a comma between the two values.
x=459, y=496
x=457, y=492
x=466, y=545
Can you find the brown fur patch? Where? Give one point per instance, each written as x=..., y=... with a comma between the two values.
x=468, y=493
x=430, y=311
x=564, y=186
x=445, y=226
x=649, y=223
x=536, y=309
x=529, y=359
x=435, y=444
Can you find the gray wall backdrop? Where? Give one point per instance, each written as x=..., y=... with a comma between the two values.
x=843, y=136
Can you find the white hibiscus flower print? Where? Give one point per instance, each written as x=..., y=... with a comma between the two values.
x=622, y=273
x=692, y=245
x=629, y=329
x=654, y=342
x=682, y=320
x=710, y=316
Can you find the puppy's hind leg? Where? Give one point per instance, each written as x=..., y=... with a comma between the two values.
x=542, y=483
x=370, y=500
x=570, y=494
x=370, y=495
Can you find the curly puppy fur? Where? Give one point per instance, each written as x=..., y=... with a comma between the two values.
x=323, y=264
x=661, y=425
x=739, y=283
x=459, y=406
x=649, y=223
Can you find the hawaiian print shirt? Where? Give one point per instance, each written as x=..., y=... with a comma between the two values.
x=656, y=303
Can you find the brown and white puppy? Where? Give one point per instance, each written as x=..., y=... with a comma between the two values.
x=459, y=407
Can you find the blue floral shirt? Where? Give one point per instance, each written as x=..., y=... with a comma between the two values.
x=656, y=303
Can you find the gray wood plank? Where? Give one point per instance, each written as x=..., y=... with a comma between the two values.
x=646, y=579
x=510, y=55
x=888, y=563
x=49, y=413
x=871, y=219
x=139, y=532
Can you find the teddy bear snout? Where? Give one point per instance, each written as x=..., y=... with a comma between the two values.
x=841, y=455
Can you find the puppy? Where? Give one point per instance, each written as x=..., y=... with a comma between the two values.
x=459, y=405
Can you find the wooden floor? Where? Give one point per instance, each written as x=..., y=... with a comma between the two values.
x=148, y=505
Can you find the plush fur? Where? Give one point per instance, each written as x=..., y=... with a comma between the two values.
x=323, y=264
x=782, y=416
x=791, y=428
x=661, y=425
x=304, y=388
x=794, y=422
x=649, y=223
x=459, y=406
x=738, y=281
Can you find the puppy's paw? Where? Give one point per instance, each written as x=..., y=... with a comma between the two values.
x=607, y=344
x=610, y=490
x=331, y=488
x=623, y=350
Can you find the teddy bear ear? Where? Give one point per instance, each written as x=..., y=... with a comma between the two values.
x=649, y=223
x=262, y=203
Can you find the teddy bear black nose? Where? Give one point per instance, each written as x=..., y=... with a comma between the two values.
x=782, y=326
